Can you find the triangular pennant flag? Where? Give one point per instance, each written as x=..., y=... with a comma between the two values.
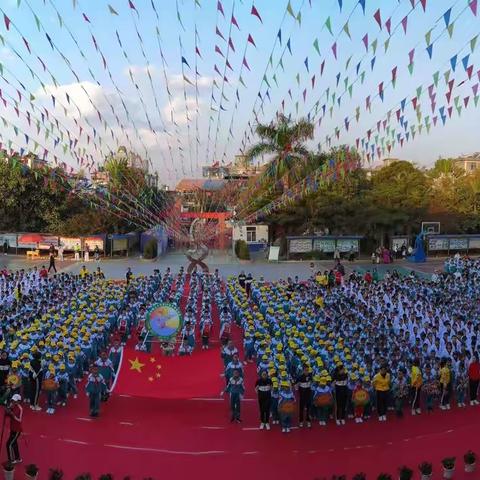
x=7, y=22
x=428, y=36
x=250, y=40
x=244, y=62
x=473, y=6
x=365, y=41
x=362, y=4
x=450, y=29
x=340, y=4
x=234, y=22
x=465, y=61
x=424, y=4
x=219, y=33
x=374, y=46
x=112, y=10
x=470, y=71
x=378, y=18
x=306, y=64
x=473, y=43
x=430, y=50
x=315, y=45
x=289, y=46
x=290, y=9
x=279, y=36
x=254, y=11
x=220, y=8
x=410, y=68
x=347, y=30
x=184, y=60
x=404, y=24
x=334, y=50
x=446, y=16
x=388, y=26
x=453, y=62
x=386, y=44
x=328, y=24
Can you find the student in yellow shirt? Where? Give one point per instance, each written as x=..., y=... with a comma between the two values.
x=445, y=384
x=416, y=382
x=83, y=272
x=381, y=383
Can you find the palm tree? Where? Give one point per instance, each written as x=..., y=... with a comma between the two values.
x=284, y=140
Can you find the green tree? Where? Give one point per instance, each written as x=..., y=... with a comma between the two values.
x=285, y=142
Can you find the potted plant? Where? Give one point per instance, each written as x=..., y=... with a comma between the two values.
x=448, y=467
x=470, y=459
x=384, y=476
x=55, y=474
x=359, y=476
x=8, y=470
x=405, y=473
x=31, y=472
x=426, y=470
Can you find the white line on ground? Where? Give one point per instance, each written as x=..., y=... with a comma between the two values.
x=83, y=419
x=124, y=396
x=250, y=428
x=212, y=428
x=249, y=453
x=126, y=423
x=68, y=440
x=160, y=450
x=207, y=399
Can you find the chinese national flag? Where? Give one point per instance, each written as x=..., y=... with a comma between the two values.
x=152, y=375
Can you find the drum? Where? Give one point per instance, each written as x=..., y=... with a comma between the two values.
x=360, y=397
x=323, y=400
x=49, y=385
x=287, y=407
x=14, y=381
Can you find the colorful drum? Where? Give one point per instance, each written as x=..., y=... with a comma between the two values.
x=323, y=400
x=49, y=385
x=287, y=407
x=14, y=381
x=360, y=397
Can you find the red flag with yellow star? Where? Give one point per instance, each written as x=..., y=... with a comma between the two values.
x=144, y=374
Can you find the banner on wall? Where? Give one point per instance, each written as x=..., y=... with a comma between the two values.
x=36, y=240
x=70, y=242
x=93, y=242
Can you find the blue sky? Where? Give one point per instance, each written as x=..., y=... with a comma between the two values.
x=211, y=133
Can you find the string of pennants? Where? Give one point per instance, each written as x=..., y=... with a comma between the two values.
x=188, y=133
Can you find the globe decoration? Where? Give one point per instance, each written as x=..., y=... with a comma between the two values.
x=164, y=320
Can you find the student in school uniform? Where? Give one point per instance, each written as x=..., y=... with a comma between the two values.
x=236, y=389
x=263, y=387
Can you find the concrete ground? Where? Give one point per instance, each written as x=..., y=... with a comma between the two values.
x=227, y=265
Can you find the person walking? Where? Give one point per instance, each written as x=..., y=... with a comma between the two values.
x=236, y=389
x=52, y=263
x=15, y=414
x=96, y=389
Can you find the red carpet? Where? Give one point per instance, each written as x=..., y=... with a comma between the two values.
x=192, y=438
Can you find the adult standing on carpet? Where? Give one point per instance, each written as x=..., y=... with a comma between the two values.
x=381, y=383
x=304, y=385
x=263, y=387
x=15, y=413
x=474, y=379
x=241, y=279
x=340, y=378
x=36, y=377
x=236, y=389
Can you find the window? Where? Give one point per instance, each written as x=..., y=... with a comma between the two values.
x=251, y=234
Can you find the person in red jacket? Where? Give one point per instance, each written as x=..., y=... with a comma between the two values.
x=15, y=413
x=474, y=379
x=368, y=277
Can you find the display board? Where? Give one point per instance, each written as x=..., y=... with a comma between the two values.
x=438, y=244
x=326, y=245
x=300, y=245
x=10, y=238
x=273, y=254
x=474, y=243
x=399, y=242
x=459, y=244
x=346, y=244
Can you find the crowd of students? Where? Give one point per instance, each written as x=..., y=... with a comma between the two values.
x=55, y=330
x=358, y=346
